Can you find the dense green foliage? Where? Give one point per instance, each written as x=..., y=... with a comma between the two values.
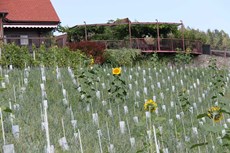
x=14, y=55
x=118, y=32
x=183, y=57
x=121, y=57
x=17, y=56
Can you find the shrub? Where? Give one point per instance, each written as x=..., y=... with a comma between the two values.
x=94, y=49
x=154, y=59
x=183, y=57
x=121, y=57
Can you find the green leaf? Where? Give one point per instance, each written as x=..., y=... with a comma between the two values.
x=221, y=93
x=202, y=115
x=225, y=110
x=198, y=144
x=226, y=145
x=8, y=110
x=226, y=136
x=214, y=97
x=2, y=89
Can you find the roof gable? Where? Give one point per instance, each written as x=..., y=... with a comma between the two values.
x=29, y=11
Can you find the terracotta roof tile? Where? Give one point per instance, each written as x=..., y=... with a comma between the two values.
x=29, y=10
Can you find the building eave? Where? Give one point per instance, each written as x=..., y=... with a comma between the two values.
x=29, y=26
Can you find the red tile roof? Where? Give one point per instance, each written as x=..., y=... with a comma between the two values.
x=29, y=10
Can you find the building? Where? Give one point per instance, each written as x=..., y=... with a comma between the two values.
x=27, y=22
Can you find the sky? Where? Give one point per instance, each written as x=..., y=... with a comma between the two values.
x=197, y=14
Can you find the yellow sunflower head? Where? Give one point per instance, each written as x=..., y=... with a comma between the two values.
x=150, y=105
x=215, y=114
x=116, y=71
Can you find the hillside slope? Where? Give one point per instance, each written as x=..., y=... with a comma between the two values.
x=203, y=61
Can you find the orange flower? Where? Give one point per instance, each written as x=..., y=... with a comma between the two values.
x=116, y=71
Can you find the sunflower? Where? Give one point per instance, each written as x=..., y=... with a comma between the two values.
x=215, y=114
x=116, y=71
x=150, y=105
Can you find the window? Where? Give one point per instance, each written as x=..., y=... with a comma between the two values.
x=24, y=40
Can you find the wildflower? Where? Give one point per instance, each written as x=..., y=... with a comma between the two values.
x=150, y=105
x=215, y=114
x=116, y=71
x=92, y=61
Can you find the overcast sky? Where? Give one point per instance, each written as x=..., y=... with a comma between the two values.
x=198, y=14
